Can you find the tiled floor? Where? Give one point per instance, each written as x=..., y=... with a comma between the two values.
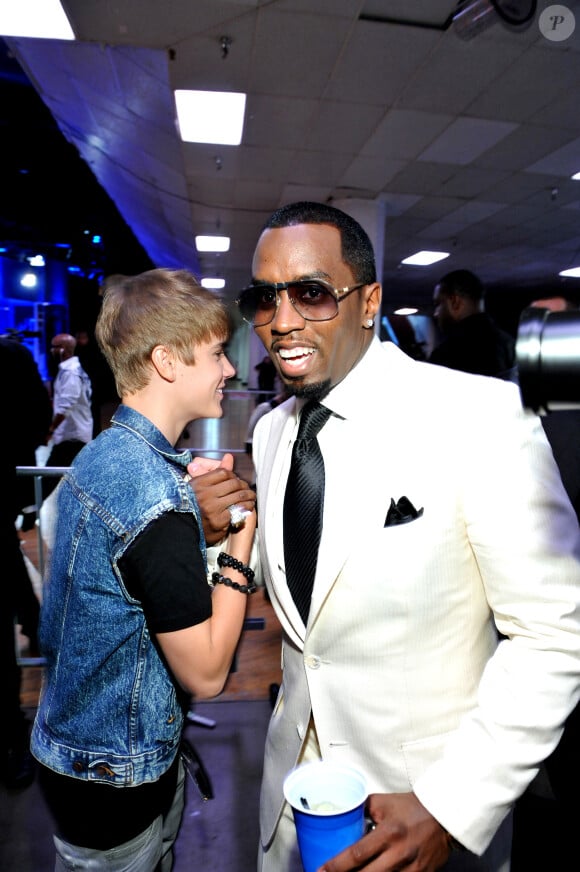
x=220, y=834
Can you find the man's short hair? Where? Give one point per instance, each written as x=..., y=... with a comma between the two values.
x=356, y=247
x=158, y=307
x=462, y=282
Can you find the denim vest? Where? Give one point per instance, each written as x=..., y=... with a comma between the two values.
x=109, y=709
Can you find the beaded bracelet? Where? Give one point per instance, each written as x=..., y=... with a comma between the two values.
x=216, y=578
x=231, y=562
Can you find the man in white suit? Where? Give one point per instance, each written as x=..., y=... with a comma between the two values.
x=441, y=653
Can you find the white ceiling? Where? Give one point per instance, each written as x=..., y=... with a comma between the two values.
x=469, y=144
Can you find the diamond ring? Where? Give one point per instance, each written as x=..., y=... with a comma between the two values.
x=237, y=515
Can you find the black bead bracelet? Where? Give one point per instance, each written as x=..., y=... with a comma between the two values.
x=232, y=563
x=216, y=578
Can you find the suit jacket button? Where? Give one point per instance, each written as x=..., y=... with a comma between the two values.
x=313, y=662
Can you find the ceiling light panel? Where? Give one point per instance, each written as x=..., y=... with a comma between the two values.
x=210, y=116
x=41, y=19
x=425, y=258
x=212, y=243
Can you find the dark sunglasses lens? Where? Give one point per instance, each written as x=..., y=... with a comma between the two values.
x=313, y=301
x=258, y=304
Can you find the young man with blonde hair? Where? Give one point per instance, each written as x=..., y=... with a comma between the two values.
x=130, y=626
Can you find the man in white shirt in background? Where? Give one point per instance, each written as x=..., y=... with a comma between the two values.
x=72, y=422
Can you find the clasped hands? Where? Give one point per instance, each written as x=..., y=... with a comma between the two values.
x=216, y=488
x=405, y=836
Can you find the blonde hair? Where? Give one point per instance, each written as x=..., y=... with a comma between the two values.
x=158, y=307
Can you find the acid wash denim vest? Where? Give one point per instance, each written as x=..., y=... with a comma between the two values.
x=109, y=710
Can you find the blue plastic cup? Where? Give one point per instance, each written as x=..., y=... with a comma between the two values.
x=328, y=801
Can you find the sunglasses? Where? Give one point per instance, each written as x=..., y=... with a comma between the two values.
x=313, y=299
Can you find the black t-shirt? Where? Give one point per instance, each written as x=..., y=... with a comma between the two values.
x=164, y=570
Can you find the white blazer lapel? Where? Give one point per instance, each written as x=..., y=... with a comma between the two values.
x=371, y=472
x=271, y=484
x=346, y=524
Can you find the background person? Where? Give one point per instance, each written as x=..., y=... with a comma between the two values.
x=27, y=430
x=104, y=399
x=266, y=379
x=129, y=625
x=261, y=410
x=444, y=521
x=471, y=342
x=24, y=390
x=72, y=422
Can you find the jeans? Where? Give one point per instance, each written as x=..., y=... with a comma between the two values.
x=150, y=851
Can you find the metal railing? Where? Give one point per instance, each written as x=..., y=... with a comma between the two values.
x=38, y=473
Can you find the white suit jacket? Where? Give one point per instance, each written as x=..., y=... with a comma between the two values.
x=400, y=664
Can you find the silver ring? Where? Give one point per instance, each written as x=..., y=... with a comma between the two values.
x=237, y=515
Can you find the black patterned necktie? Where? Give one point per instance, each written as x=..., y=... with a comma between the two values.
x=303, y=505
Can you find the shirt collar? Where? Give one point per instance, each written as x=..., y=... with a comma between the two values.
x=348, y=395
x=142, y=426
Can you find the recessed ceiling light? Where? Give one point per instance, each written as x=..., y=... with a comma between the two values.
x=212, y=243
x=425, y=258
x=213, y=284
x=41, y=19
x=571, y=273
x=210, y=116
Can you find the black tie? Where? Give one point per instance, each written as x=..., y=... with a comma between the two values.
x=303, y=505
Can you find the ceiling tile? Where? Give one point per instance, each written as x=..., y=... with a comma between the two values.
x=371, y=173
x=565, y=161
x=404, y=134
x=465, y=139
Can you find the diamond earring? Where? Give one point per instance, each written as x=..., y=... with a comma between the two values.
x=369, y=323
